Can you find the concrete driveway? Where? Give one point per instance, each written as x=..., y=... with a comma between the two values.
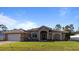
x=5, y=42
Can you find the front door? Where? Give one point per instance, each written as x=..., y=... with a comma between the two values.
x=43, y=35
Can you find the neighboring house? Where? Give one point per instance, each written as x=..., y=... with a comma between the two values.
x=75, y=37
x=42, y=33
x=1, y=36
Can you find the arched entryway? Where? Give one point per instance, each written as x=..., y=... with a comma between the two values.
x=56, y=37
x=43, y=35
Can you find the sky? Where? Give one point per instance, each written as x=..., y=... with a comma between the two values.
x=32, y=17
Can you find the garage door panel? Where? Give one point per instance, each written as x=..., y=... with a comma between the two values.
x=14, y=37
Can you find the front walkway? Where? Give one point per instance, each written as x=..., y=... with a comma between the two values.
x=5, y=42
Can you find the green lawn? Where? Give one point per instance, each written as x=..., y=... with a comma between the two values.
x=41, y=46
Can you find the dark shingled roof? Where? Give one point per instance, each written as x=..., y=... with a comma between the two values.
x=36, y=29
x=31, y=30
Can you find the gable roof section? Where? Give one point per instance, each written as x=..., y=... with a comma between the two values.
x=45, y=27
x=31, y=30
x=15, y=31
x=36, y=29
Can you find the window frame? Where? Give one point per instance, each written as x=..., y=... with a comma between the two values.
x=33, y=35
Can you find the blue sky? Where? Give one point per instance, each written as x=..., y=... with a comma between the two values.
x=31, y=17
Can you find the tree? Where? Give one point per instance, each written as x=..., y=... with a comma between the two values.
x=66, y=28
x=69, y=29
x=58, y=27
x=3, y=27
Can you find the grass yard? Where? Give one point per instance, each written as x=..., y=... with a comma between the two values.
x=41, y=46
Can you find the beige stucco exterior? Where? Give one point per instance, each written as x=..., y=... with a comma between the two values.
x=41, y=34
x=50, y=35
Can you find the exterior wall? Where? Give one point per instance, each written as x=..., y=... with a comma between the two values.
x=36, y=38
x=23, y=36
x=63, y=36
x=28, y=35
x=6, y=37
x=43, y=29
x=53, y=33
x=50, y=35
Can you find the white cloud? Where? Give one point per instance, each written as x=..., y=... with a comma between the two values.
x=63, y=11
x=12, y=23
x=27, y=25
x=9, y=22
x=76, y=17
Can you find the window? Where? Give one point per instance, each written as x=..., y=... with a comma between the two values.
x=57, y=37
x=50, y=30
x=34, y=35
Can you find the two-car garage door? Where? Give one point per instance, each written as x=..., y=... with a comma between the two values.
x=14, y=37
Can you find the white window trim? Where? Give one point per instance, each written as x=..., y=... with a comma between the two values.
x=32, y=35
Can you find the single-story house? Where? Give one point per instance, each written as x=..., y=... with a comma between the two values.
x=42, y=33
